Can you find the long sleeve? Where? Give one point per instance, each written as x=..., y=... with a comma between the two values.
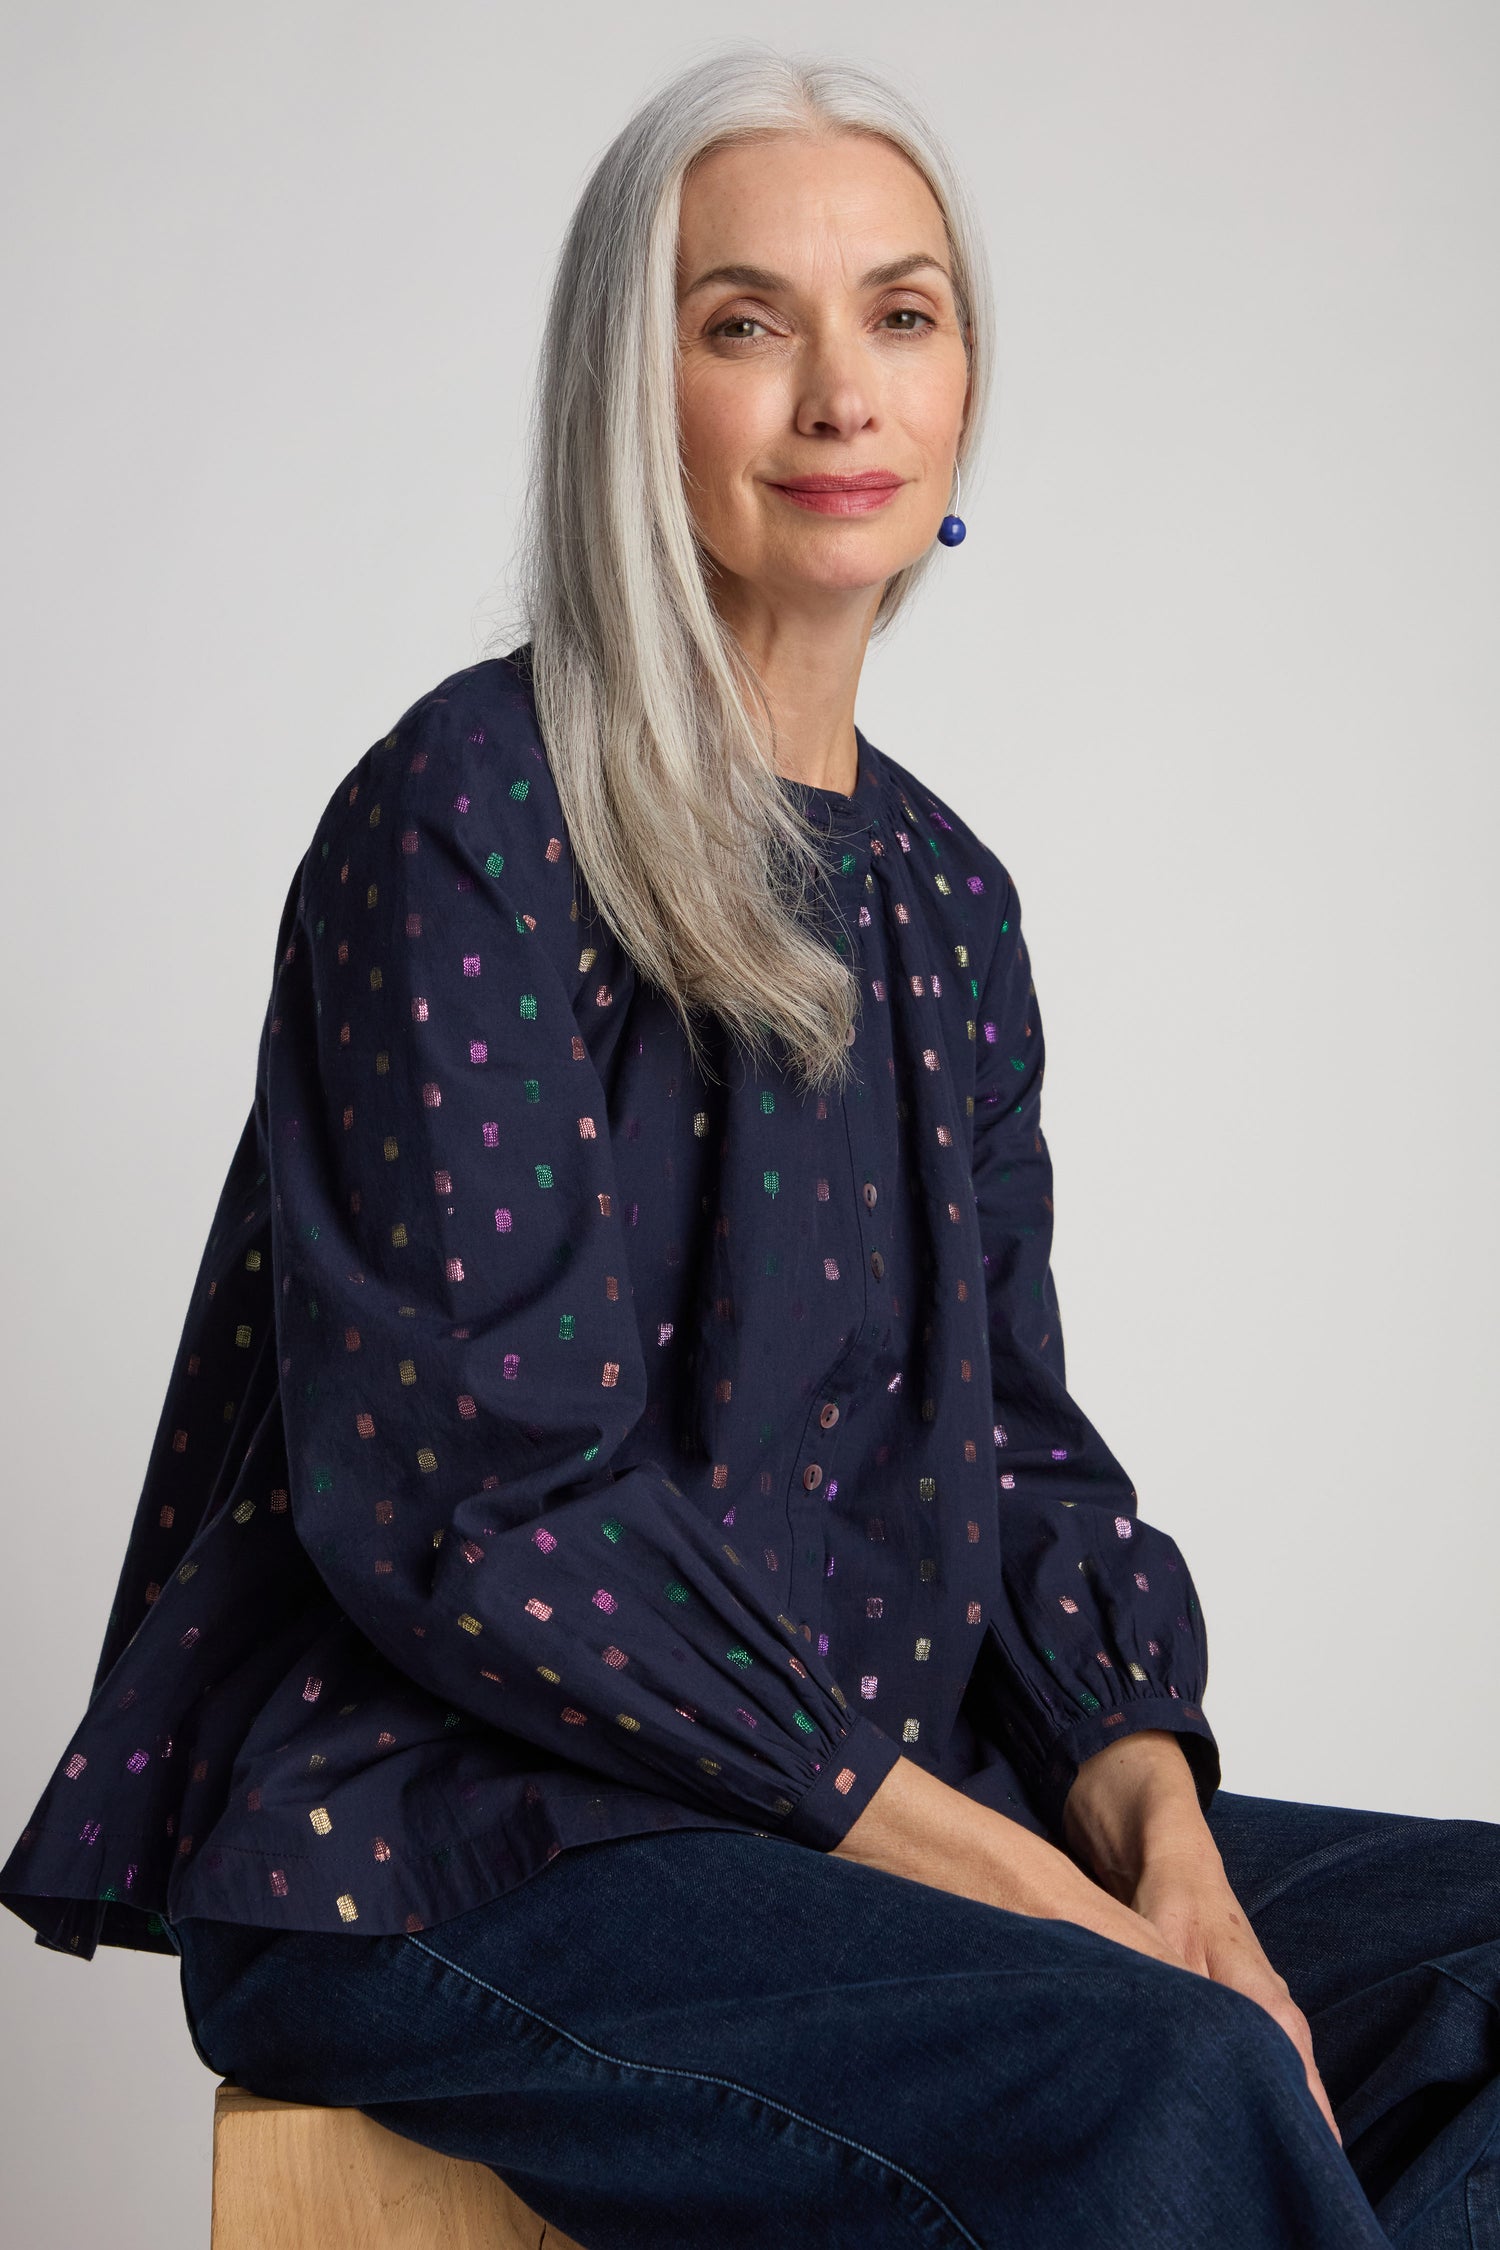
x=1100, y=1633
x=464, y=1380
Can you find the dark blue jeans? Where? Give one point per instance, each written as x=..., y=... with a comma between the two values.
x=728, y=2042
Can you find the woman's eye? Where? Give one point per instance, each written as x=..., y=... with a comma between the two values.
x=910, y=312
x=736, y=320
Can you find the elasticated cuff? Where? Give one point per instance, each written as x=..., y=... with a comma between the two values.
x=848, y=1779
x=1099, y=1728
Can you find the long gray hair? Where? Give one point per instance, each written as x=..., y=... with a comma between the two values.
x=656, y=728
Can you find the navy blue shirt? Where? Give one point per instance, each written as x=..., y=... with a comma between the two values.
x=564, y=1442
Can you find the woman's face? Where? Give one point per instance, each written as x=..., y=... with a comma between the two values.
x=819, y=341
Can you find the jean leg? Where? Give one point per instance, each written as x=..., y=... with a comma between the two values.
x=1386, y=1927
x=676, y=2041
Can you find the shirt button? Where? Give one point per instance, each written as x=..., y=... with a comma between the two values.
x=870, y=1194
x=829, y=1415
x=812, y=1476
x=877, y=1264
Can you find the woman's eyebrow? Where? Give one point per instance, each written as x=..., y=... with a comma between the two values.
x=757, y=277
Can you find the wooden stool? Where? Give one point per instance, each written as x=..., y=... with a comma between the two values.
x=290, y=2176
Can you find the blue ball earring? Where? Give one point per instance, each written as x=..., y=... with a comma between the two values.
x=952, y=528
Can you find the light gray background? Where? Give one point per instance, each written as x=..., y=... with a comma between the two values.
x=1215, y=673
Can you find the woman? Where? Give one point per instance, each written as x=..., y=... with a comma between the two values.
x=631, y=1666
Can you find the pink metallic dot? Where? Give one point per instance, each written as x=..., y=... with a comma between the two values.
x=432, y=1095
x=75, y=1765
x=136, y=1761
x=1008, y=1483
x=1143, y=1582
x=543, y=1538
x=454, y=1268
x=510, y=1366
x=615, y=1658
x=466, y=1407
x=868, y=1686
x=606, y=1601
x=1067, y=1602
x=539, y=1608
x=278, y=1882
x=479, y=1050
x=471, y=964
x=503, y=1220
x=1124, y=1527
x=312, y=1690
x=491, y=1133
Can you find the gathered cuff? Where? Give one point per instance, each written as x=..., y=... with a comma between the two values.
x=844, y=1784
x=1058, y=1770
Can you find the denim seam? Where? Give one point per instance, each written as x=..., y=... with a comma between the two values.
x=1485, y=1999
x=705, y=2078
x=1327, y=1855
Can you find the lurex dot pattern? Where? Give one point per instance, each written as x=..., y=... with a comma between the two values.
x=564, y=1443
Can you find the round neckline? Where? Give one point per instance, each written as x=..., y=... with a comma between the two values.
x=857, y=805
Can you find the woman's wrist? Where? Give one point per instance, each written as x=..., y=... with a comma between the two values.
x=1132, y=1805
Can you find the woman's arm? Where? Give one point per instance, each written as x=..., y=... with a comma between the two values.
x=1099, y=1633
x=462, y=1374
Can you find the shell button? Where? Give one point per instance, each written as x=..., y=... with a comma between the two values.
x=812, y=1476
x=829, y=1415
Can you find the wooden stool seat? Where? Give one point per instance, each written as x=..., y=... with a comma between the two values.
x=291, y=2176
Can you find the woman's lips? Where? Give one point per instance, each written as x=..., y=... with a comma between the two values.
x=834, y=496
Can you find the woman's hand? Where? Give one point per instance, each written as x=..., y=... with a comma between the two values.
x=1132, y=1815
x=919, y=1827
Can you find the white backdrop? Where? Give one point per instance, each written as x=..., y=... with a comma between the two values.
x=1215, y=673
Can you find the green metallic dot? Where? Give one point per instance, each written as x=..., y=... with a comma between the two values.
x=494, y=863
x=801, y=1719
x=613, y=1530
x=675, y=1592
x=520, y=790
x=544, y=1175
x=565, y=1328
x=742, y=1657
